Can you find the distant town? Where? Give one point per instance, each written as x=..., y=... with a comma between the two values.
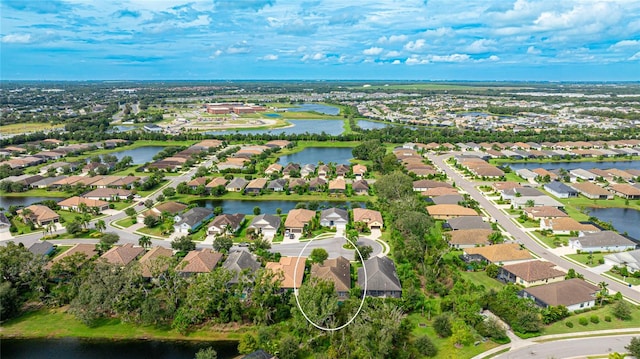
x=466, y=220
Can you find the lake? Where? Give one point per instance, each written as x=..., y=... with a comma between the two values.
x=621, y=165
x=266, y=207
x=140, y=155
x=7, y=201
x=314, y=155
x=623, y=219
x=315, y=107
x=330, y=127
x=372, y=125
x=98, y=349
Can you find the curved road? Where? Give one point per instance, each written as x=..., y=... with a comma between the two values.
x=521, y=236
x=571, y=348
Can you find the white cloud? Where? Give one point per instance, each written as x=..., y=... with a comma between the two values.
x=415, y=60
x=480, y=46
x=232, y=50
x=393, y=53
x=450, y=58
x=635, y=57
x=494, y=58
x=439, y=32
x=315, y=57
x=269, y=57
x=216, y=54
x=392, y=39
x=396, y=62
x=625, y=44
x=373, y=51
x=533, y=51
x=415, y=45
x=16, y=39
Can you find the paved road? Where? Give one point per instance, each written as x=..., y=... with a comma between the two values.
x=332, y=245
x=571, y=348
x=521, y=236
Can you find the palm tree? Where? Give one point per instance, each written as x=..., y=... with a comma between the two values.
x=604, y=292
x=144, y=241
x=83, y=208
x=100, y=226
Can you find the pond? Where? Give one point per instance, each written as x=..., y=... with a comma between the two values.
x=330, y=127
x=621, y=165
x=120, y=128
x=7, y=201
x=122, y=349
x=266, y=207
x=372, y=125
x=623, y=219
x=314, y=155
x=315, y=107
x=140, y=155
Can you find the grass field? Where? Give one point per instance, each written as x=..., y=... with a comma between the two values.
x=584, y=257
x=57, y=323
x=27, y=127
x=561, y=328
x=481, y=278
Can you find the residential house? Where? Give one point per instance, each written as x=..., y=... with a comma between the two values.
x=232, y=163
x=307, y=170
x=122, y=255
x=447, y=211
x=372, y=218
x=198, y=181
x=74, y=204
x=242, y=264
x=625, y=190
x=41, y=248
x=466, y=222
x=467, y=238
x=497, y=254
x=582, y=174
x=334, y=218
x=381, y=278
x=155, y=261
x=291, y=269
x=511, y=194
x=604, y=241
x=295, y=183
x=560, y=190
x=87, y=249
x=192, y=220
x=336, y=271
x=527, y=174
x=360, y=187
x=440, y=191
x=297, y=219
x=109, y=194
x=628, y=259
x=5, y=224
x=536, y=201
x=171, y=207
x=359, y=171
x=592, y=190
x=290, y=169
x=237, y=184
x=151, y=127
x=540, y=212
x=277, y=185
x=226, y=223
x=337, y=185
x=266, y=224
x=531, y=273
x=423, y=185
x=342, y=170
x=544, y=173
x=273, y=168
x=39, y=214
x=448, y=199
x=199, y=261
x=567, y=225
x=324, y=171
x=215, y=183
x=572, y=293
x=255, y=186
x=317, y=185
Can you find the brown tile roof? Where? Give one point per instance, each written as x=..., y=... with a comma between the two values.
x=569, y=224
x=500, y=252
x=122, y=255
x=197, y=182
x=297, y=218
x=171, y=207
x=337, y=184
x=430, y=184
x=439, y=191
x=450, y=210
x=89, y=250
x=76, y=201
x=41, y=213
x=542, y=172
x=149, y=260
x=366, y=215
x=218, y=181
x=470, y=236
x=287, y=266
x=625, y=189
x=337, y=270
x=591, y=188
x=359, y=169
x=568, y=292
x=532, y=271
x=545, y=212
x=199, y=261
x=503, y=186
x=257, y=183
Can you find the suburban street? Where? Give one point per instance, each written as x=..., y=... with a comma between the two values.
x=571, y=348
x=521, y=236
x=332, y=245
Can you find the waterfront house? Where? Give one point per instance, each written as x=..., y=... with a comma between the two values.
x=237, y=184
x=334, y=218
x=255, y=186
x=297, y=219
x=592, y=190
x=372, y=218
x=74, y=204
x=226, y=223
x=560, y=190
x=191, y=220
x=277, y=185
x=266, y=224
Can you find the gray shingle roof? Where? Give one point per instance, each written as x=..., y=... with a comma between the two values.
x=381, y=275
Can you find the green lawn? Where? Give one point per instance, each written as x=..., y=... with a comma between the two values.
x=584, y=257
x=126, y=222
x=56, y=323
x=17, y=128
x=481, y=278
x=550, y=240
x=632, y=280
x=37, y=192
x=561, y=328
x=446, y=349
x=155, y=231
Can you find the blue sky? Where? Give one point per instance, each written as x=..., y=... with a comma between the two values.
x=556, y=40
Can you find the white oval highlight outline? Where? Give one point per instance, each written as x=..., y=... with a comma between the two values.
x=364, y=293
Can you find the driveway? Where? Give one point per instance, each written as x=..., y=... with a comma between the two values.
x=333, y=246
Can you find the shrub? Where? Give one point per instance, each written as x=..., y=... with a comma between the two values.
x=594, y=319
x=442, y=325
x=607, y=318
x=583, y=321
x=569, y=324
